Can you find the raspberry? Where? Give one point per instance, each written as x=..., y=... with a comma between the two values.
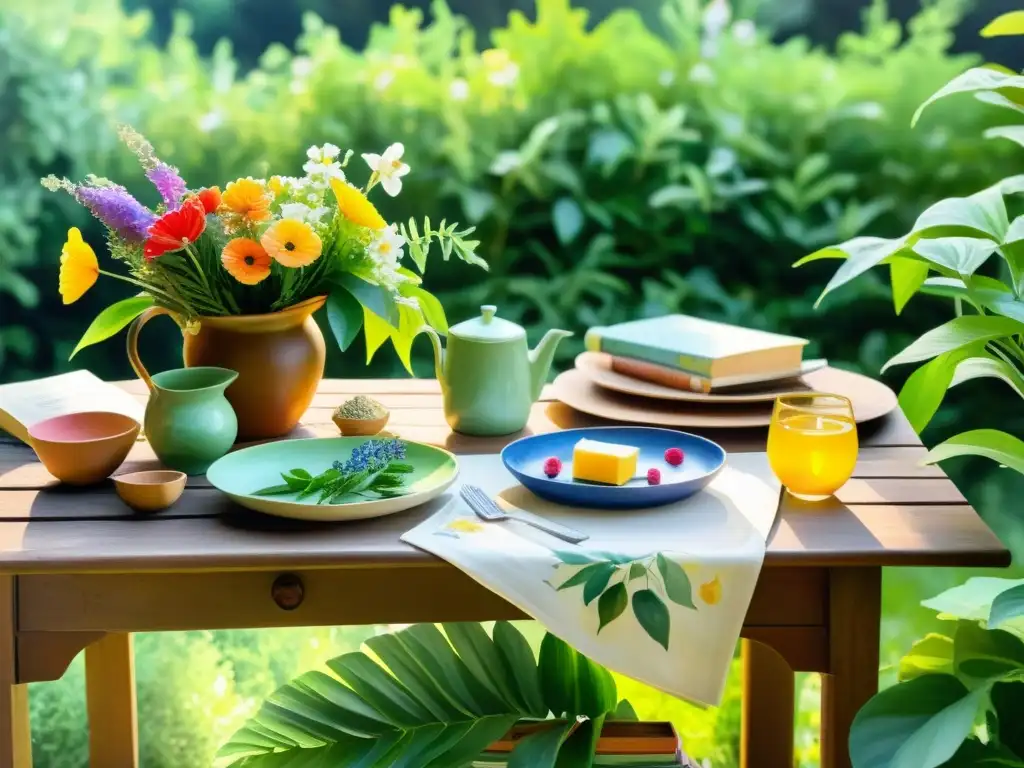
x=654, y=476
x=674, y=456
x=552, y=466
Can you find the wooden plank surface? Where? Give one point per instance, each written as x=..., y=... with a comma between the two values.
x=893, y=512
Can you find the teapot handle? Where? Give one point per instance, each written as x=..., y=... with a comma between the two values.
x=133, y=343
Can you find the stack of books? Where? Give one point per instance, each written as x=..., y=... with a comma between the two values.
x=622, y=744
x=696, y=355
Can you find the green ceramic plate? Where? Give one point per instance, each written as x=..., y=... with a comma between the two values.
x=240, y=473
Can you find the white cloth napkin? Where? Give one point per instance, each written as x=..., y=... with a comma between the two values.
x=687, y=570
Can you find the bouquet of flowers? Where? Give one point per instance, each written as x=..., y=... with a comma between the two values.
x=263, y=245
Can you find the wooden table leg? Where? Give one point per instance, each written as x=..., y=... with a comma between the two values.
x=15, y=734
x=110, y=699
x=855, y=605
x=766, y=738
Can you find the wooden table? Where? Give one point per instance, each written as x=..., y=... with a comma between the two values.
x=77, y=570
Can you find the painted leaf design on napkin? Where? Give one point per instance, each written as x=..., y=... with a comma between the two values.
x=606, y=576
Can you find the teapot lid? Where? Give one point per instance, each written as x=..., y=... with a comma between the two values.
x=487, y=327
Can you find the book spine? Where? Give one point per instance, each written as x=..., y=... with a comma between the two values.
x=658, y=374
x=596, y=341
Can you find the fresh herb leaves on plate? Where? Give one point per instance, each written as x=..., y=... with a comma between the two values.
x=375, y=467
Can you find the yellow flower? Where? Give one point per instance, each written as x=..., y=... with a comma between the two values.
x=248, y=199
x=355, y=207
x=276, y=185
x=79, y=268
x=711, y=591
x=292, y=243
x=464, y=526
x=246, y=261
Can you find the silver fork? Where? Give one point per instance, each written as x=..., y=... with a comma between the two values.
x=486, y=509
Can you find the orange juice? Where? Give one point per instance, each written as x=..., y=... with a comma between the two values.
x=812, y=455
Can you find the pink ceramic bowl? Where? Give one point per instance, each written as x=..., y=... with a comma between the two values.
x=83, y=448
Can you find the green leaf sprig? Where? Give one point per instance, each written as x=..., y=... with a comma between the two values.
x=374, y=469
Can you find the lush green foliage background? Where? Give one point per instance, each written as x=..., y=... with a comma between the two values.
x=624, y=172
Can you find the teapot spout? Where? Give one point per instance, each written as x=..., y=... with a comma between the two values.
x=540, y=360
x=435, y=342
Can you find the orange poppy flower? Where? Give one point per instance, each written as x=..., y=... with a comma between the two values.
x=246, y=261
x=248, y=199
x=176, y=229
x=355, y=207
x=79, y=268
x=292, y=243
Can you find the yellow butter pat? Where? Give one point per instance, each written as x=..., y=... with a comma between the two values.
x=599, y=462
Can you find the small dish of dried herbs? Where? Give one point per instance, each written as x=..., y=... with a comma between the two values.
x=376, y=469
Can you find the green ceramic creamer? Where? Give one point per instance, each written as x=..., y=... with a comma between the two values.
x=189, y=422
x=488, y=376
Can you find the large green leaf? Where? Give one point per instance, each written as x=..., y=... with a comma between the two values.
x=861, y=254
x=993, y=367
x=924, y=389
x=1008, y=703
x=931, y=655
x=1007, y=606
x=374, y=298
x=906, y=276
x=976, y=79
x=981, y=214
x=971, y=600
x=1011, y=23
x=956, y=334
x=344, y=316
x=111, y=320
x=1005, y=449
x=1014, y=133
x=428, y=699
x=431, y=308
x=985, y=654
x=917, y=724
x=962, y=255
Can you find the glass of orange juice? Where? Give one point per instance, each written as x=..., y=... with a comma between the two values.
x=812, y=444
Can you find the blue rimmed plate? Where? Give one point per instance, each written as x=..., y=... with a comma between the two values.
x=525, y=459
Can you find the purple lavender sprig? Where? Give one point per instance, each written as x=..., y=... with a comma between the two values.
x=164, y=177
x=168, y=183
x=110, y=203
x=373, y=455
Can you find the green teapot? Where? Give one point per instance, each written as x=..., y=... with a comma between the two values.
x=489, y=377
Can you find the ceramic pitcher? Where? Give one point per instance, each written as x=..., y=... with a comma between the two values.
x=189, y=422
x=279, y=358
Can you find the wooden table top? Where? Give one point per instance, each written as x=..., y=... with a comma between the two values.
x=893, y=512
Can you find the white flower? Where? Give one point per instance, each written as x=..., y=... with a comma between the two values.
x=459, y=89
x=302, y=212
x=505, y=76
x=386, y=247
x=744, y=31
x=716, y=17
x=210, y=121
x=313, y=153
x=389, y=167
x=702, y=73
x=330, y=151
x=302, y=66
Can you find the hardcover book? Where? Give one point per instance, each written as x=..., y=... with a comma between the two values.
x=703, y=348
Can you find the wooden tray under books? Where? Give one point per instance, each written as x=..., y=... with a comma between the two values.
x=598, y=368
x=871, y=400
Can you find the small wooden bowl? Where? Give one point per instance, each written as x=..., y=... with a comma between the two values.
x=361, y=427
x=150, y=491
x=83, y=448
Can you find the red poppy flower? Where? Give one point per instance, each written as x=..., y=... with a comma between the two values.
x=176, y=229
x=211, y=198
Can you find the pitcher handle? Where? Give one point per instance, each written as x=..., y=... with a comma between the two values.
x=133, y=343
